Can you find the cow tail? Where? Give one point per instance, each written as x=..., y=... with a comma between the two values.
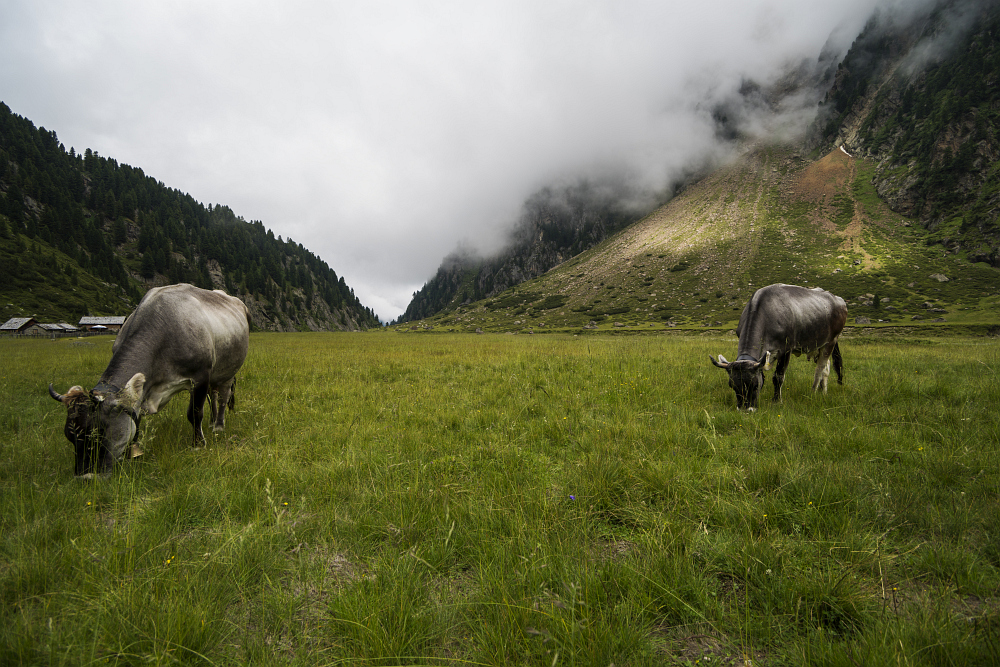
x=838, y=363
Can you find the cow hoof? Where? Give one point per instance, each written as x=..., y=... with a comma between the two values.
x=94, y=475
x=136, y=452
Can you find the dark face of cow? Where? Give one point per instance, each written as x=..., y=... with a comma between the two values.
x=746, y=377
x=100, y=426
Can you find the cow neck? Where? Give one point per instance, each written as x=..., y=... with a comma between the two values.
x=751, y=347
x=752, y=337
x=124, y=364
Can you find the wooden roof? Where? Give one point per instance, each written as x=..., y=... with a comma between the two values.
x=91, y=320
x=17, y=323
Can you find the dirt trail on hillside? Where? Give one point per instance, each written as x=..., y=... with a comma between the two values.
x=854, y=232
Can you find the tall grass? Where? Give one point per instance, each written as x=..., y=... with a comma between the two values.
x=381, y=499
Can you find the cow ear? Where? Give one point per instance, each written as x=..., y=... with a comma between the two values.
x=132, y=391
x=721, y=363
x=765, y=362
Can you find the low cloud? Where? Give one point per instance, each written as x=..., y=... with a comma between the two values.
x=382, y=135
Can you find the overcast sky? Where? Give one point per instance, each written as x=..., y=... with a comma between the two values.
x=381, y=135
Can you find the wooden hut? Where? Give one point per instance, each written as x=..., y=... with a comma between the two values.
x=22, y=326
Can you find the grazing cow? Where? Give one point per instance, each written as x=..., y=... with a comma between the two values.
x=778, y=321
x=179, y=338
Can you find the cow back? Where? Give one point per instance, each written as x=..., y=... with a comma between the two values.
x=178, y=336
x=787, y=318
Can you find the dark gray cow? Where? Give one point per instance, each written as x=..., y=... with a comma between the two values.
x=778, y=321
x=179, y=338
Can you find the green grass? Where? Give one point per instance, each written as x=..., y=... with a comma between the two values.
x=380, y=499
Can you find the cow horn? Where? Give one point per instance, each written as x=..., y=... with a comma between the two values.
x=721, y=363
x=54, y=394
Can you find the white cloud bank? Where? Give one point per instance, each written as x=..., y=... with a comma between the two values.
x=380, y=135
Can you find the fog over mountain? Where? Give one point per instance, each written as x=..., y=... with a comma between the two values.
x=384, y=135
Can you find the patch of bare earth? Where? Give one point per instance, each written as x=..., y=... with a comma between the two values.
x=824, y=178
x=613, y=549
x=819, y=183
x=682, y=647
x=328, y=571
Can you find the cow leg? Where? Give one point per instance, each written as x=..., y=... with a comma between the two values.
x=838, y=363
x=779, y=374
x=222, y=397
x=213, y=402
x=196, y=411
x=822, y=371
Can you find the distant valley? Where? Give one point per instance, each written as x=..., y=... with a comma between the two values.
x=889, y=198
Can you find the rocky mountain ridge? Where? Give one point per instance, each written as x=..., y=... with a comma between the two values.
x=920, y=97
x=556, y=223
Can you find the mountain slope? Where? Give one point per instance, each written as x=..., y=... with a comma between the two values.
x=915, y=191
x=82, y=234
x=453, y=285
x=556, y=223
x=921, y=97
x=772, y=216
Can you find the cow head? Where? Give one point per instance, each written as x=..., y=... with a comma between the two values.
x=746, y=377
x=101, y=424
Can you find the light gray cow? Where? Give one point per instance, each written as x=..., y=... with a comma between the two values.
x=179, y=338
x=780, y=320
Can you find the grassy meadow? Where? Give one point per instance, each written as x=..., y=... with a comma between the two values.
x=388, y=499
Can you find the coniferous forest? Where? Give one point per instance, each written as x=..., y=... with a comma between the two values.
x=82, y=234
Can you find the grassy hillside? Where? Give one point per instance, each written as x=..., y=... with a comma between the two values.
x=774, y=215
x=39, y=281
